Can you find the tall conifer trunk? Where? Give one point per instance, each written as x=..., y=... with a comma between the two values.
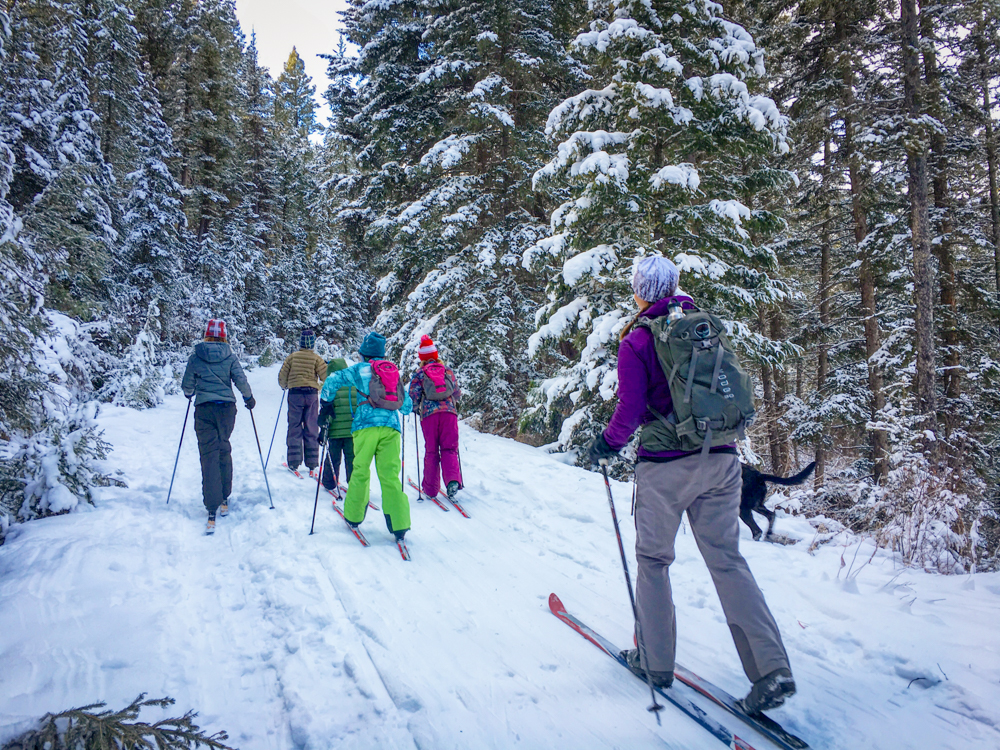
x=823, y=364
x=952, y=379
x=866, y=275
x=991, y=149
x=916, y=162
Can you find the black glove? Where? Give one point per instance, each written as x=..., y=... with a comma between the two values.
x=322, y=432
x=250, y=403
x=325, y=411
x=599, y=449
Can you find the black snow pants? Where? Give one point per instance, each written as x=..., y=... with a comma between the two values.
x=213, y=424
x=303, y=427
x=331, y=470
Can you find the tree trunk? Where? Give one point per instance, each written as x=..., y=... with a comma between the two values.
x=770, y=408
x=923, y=271
x=991, y=149
x=952, y=379
x=866, y=280
x=823, y=365
x=780, y=377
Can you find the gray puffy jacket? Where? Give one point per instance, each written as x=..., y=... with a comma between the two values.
x=210, y=370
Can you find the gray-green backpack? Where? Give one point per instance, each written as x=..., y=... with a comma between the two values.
x=711, y=392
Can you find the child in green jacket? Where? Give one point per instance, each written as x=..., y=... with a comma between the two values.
x=338, y=431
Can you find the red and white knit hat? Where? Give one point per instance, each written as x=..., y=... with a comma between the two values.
x=427, y=350
x=216, y=329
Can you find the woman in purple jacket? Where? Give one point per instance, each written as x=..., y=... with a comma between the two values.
x=669, y=482
x=435, y=393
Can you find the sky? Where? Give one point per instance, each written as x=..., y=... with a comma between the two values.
x=308, y=25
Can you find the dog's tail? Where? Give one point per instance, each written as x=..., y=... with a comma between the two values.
x=786, y=481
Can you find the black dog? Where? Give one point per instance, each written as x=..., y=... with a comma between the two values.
x=754, y=492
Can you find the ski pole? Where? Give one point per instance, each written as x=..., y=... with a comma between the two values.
x=416, y=441
x=183, y=429
x=276, y=420
x=402, y=463
x=261, y=454
x=458, y=452
x=319, y=481
x=656, y=707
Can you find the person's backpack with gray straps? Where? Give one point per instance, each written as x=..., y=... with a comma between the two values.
x=711, y=392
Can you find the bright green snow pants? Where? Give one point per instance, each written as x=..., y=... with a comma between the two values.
x=382, y=444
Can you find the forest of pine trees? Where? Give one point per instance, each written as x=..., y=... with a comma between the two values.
x=824, y=173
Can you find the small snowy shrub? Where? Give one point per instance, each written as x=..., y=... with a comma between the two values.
x=144, y=374
x=57, y=464
x=921, y=516
x=273, y=351
x=140, y=380
x=49, y=464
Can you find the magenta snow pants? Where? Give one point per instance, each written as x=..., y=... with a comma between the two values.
x=441, y=451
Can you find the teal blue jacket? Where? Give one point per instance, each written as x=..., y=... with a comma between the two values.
x=365, y=415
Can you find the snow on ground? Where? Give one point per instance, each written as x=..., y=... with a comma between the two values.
x=287, y=640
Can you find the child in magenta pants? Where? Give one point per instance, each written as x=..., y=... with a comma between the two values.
x=435, y=392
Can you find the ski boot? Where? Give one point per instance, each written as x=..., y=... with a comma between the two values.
x=399, y=534
x=659, y=679
x=769, y=692
x=452, y=489
x=224, y=508
x=210, y=528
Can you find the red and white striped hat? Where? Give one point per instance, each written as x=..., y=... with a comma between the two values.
x=216, y=329
x=427, y=350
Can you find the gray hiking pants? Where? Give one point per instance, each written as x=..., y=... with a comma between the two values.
x=708, y=488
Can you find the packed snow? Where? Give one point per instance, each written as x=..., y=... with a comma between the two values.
x=287, y=640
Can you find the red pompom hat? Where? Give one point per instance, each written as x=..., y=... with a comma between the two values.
x=216, y=329
x=427, y=351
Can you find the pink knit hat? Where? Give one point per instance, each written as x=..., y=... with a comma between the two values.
x=427, y=350
x=216, y=329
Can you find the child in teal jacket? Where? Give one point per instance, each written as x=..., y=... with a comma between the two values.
x=377, y=434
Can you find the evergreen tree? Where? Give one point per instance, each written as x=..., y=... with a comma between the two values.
x=201, y=106
x=294, y=98
x=295, y=122
x=345, y=293
x=668, y=152
x=449, y=203
x=61, y=186
x=148, y=266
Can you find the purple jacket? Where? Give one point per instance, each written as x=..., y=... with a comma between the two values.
x=641, y=381
x=428, y=406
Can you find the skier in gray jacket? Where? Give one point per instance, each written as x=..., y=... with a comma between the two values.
x=210, y=373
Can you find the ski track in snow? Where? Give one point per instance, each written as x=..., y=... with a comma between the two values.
x=287, y=640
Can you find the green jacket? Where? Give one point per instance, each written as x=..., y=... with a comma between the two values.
x=345, y=403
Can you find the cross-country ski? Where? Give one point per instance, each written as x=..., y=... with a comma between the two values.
x=763, y=724
x=433, y=498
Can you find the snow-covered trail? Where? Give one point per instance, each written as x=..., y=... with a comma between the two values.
x=294, y=641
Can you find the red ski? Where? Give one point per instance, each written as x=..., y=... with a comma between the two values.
x=434, y=500
x=458, y=507
x=343, y=494
x=716, y=729
x=357, y=532
x=403, y=549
